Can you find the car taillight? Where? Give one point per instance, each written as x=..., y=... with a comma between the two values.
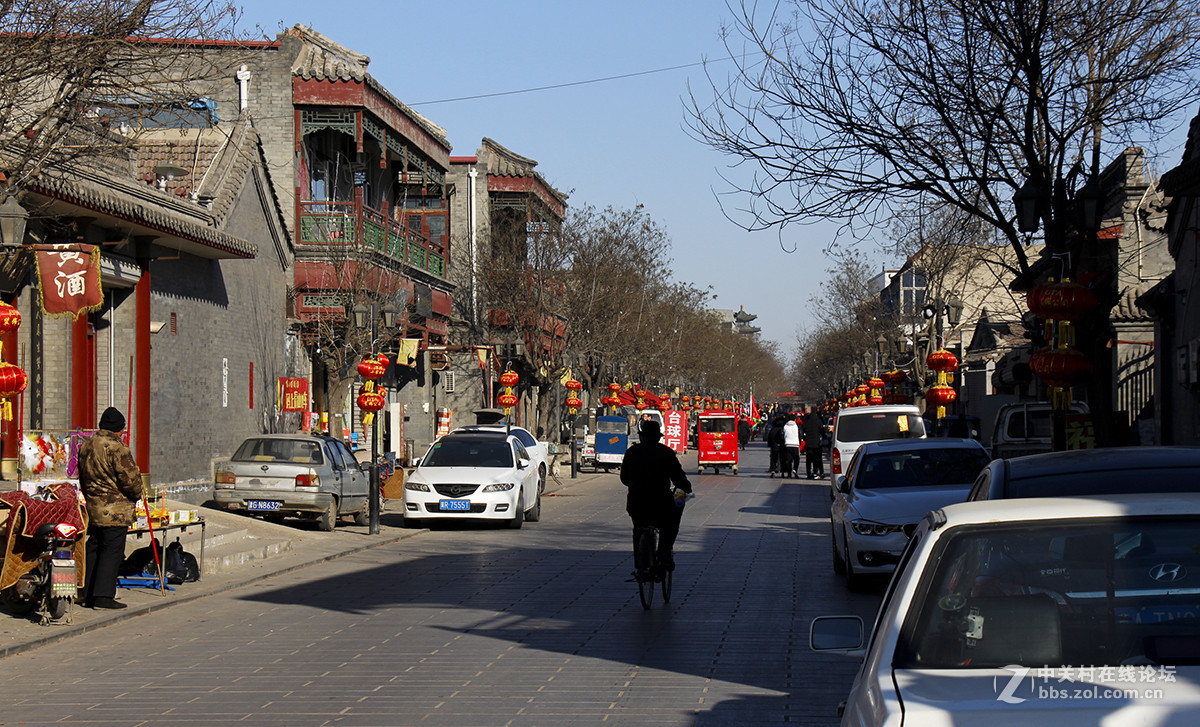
x=835, y=460
x=66, y=531
x=225, y=478
x=308, y=481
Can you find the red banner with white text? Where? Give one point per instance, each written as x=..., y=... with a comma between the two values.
x=69, y=279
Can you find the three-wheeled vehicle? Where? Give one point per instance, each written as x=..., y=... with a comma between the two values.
x=612, y=439
x=718, y=442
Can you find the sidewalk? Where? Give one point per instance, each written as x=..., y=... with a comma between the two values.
x=307, y=547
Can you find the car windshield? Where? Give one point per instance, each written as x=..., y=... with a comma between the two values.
x=295, y=451
x=1106, y=482
x=450, y=452
x=1107, y=592
x=621, y=427
x=926, y=467
x=875, y=427
x=722, y=425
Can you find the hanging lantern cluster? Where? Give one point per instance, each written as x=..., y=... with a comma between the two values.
x=613, y=399
x=508, y=399
x=13, y=379
x=1060, y=365
x=573, y=402
x=685, y=403
x=639, y=393
x=875, y=394
x=942, y=394
x=894, y=378
x=372, y=398
x=664, y=402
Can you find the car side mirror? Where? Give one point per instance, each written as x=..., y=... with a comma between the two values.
x=522, y=463
x=837, y=634
x=843, y=484
x=416, y=462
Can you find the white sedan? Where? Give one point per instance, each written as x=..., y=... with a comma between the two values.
x=1079, y=611
x=484, y=475
x=538, y=451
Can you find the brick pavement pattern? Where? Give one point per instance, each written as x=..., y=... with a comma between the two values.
x=473, y=626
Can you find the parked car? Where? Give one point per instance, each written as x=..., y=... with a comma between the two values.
x=1106, y=471
x=294, y=475
x=486, y=475
x=1025, y=427
x=886, y=490
x=1064, y=611
x=538, y=451
x=858, y=425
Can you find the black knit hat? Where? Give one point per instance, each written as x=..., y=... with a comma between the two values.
x=650, y=429
x=112, y=420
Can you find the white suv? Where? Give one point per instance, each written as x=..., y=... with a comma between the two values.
x=858, y=425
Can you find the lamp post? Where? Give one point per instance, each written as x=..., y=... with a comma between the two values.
x=368, y=315
x=13, y=218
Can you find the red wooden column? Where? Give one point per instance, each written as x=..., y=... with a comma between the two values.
x=81, y=373
x=11, y=444
x=141, y=402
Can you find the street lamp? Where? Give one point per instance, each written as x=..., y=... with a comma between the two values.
x=368, y=315
x=13, y=218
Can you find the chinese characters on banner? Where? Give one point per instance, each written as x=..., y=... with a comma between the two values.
x=675, y=430
x=69, y=278
x=293, y=394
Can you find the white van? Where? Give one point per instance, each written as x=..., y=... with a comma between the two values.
x=858, y=425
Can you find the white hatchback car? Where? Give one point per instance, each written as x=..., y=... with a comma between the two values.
x=855, y=426
x=538, y=451
x=485, y=475
x=1064, y=611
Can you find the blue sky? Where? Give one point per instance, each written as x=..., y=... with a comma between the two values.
x=618, y=142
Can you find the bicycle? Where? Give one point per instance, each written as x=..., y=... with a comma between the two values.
x=650, y=573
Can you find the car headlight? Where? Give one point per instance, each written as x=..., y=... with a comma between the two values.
x=498, y=487
x=866, y=527
x=418, y=486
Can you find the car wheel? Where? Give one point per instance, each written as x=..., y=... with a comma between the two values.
x=328, y=519
x=541, y=479
x=533, y=514
x=518, y=517
x=362, y=516
x=839, y=563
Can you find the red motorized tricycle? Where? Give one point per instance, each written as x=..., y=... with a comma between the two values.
x=718, y=441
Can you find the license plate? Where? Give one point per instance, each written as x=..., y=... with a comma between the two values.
x=454, y=505
x=263, y=505
x=62, y=577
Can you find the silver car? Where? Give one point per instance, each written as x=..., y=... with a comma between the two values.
x=294, y=475
x=886, y=490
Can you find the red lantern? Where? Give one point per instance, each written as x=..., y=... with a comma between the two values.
x=10, y=318
x=1062, y=367
x=1065, y=301
x=686, y=399
x=875, y=382
x=509, y=378
x=371, y=401
x=942, y=361
x=615, y=388
x=507, y=400
x=874, y=400
x=896, y=376
x=685, y=406
x=372, y=368
x=941, y=395
x=573, y=385
x=641, y=405
x=664, y=404
x=862, y=389
x=573, y=403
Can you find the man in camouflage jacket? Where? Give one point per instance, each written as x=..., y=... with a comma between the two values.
x=112, y=486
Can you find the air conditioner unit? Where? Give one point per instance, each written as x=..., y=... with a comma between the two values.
x=448, y=381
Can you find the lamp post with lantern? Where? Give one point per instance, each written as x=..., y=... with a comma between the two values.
x=367, y=317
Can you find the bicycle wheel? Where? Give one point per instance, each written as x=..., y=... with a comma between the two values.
x=647, y=544
x=666, y=587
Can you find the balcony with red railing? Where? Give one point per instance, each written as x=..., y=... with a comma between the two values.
x=347, y=224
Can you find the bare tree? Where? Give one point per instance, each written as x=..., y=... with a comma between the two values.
x=82, y=78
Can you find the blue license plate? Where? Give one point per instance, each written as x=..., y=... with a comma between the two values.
x=454, y=505
x=263, y=505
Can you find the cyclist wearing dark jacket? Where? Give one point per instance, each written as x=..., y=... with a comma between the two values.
x=648, y=470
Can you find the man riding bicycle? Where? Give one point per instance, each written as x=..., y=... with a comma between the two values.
x=649, y=469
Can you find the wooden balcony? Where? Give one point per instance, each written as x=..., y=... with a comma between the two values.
x=334, y=224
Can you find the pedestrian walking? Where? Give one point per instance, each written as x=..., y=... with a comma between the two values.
x=775, y=442
x=111, y=485
x=812, y=430
x=790, y=460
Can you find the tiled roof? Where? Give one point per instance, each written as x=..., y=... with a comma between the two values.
x=507, y=163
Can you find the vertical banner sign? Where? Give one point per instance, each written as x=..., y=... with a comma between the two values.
x=69, y=279
x=675, y=430
x=293, y=394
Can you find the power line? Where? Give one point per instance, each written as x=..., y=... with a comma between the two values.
x=563, y=85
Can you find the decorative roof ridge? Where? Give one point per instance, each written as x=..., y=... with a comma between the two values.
x=329, y=45
x=509, y=153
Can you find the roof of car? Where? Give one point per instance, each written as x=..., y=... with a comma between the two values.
x=889, y=445
x=473, y=433
x=879, y=409
x=1103, y=460
x=1058, y=508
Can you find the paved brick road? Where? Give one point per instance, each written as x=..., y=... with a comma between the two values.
x=473, y=626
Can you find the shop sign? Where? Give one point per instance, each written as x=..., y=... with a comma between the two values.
x=69, y=279
x=293, y=393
